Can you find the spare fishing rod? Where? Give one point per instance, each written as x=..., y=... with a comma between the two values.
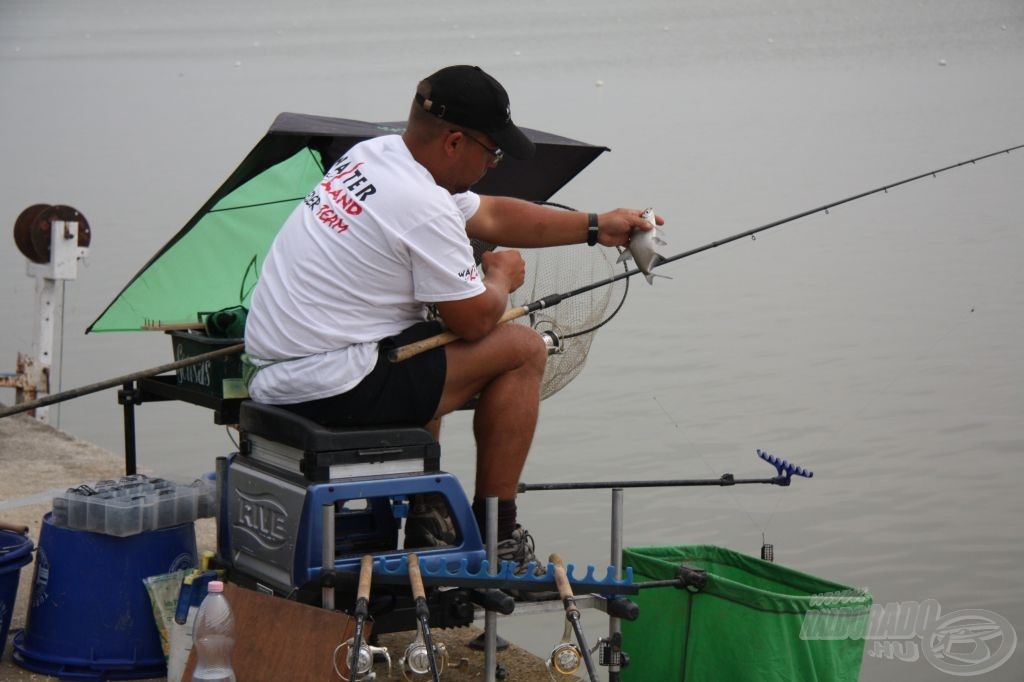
x=412, y=349
x=422, y=657
x=116, y=381
x=357, y=657
x=565, y=654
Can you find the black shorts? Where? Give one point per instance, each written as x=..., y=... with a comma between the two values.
x=406, y=392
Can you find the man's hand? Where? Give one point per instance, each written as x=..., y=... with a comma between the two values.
x=507, y=265
x=474, y=318
x=615, y=227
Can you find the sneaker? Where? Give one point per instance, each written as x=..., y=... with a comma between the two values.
x=430, y=522
x=520, y=550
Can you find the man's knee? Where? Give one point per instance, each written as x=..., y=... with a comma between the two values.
x=526, y=343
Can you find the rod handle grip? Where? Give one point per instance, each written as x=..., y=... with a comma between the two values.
x=444, y=338
x=14, y=527
x=561, y=578
x=416, y=347
x=365, y=577
x=415, y=579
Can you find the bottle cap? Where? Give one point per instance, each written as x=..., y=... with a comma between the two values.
x=215, y=586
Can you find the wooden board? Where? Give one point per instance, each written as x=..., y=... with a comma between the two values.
x=277, y=639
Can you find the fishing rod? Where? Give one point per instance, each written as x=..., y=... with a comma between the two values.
x=412, y=349
x=565, y=652
x=116, y=381
x=421, y=657
x=357, y=658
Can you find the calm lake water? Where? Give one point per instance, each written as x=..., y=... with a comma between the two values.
x=881, y=346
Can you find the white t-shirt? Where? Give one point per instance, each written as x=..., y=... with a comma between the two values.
x=356, y=262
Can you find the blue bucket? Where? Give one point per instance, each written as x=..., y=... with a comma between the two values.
x=15, y=552
x=90, y=616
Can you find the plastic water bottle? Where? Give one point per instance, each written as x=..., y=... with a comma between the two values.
x=214, y=637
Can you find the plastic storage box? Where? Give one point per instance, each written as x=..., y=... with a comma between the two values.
x=132, y=505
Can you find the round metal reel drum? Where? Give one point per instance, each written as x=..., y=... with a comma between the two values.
x=33, y=226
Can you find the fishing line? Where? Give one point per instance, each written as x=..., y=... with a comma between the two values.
x=408, y=351
x=708, y=464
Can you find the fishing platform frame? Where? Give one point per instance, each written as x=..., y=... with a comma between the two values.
x=305, y=543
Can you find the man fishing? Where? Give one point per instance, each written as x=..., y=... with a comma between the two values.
x=382, y=240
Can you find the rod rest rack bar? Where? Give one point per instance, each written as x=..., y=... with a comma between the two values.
x=438, y=571
x=786, y=470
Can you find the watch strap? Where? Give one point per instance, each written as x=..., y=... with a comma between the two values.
x=592, y=230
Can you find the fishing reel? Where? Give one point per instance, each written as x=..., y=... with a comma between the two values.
x=566, y=658
x=416, y=660
x=360, y=663
x=552, y=342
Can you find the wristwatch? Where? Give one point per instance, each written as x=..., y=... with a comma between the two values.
x=591, y=229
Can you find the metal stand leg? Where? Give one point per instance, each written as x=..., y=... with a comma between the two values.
x=127, y=396
x=614, y=625
x=327, y=522
x=491, y=618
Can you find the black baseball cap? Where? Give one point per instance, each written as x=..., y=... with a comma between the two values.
x=467, y=96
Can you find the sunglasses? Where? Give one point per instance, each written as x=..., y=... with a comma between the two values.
x=496, y=154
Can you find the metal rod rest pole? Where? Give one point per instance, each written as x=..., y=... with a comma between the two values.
x=603, y=485
x=614, y=626
x=490, y=617
x=327, y=522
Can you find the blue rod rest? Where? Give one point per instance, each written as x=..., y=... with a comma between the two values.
x=439, y=571
x=785, y=469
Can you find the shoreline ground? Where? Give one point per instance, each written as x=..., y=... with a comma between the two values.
x=36, y=459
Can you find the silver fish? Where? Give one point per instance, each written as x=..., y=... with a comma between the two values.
x=642, y=248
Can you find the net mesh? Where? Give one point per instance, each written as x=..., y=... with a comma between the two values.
x=575, y=320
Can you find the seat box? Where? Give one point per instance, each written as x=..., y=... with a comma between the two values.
x=288, y=443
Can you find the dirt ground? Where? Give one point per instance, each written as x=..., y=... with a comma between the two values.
x=36, y=459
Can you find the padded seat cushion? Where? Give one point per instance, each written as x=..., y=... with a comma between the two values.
x=282, y=426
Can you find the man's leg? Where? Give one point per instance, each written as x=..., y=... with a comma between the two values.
x=434, y=428
x=505, y=368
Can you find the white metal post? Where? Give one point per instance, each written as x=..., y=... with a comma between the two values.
x=65, y=253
